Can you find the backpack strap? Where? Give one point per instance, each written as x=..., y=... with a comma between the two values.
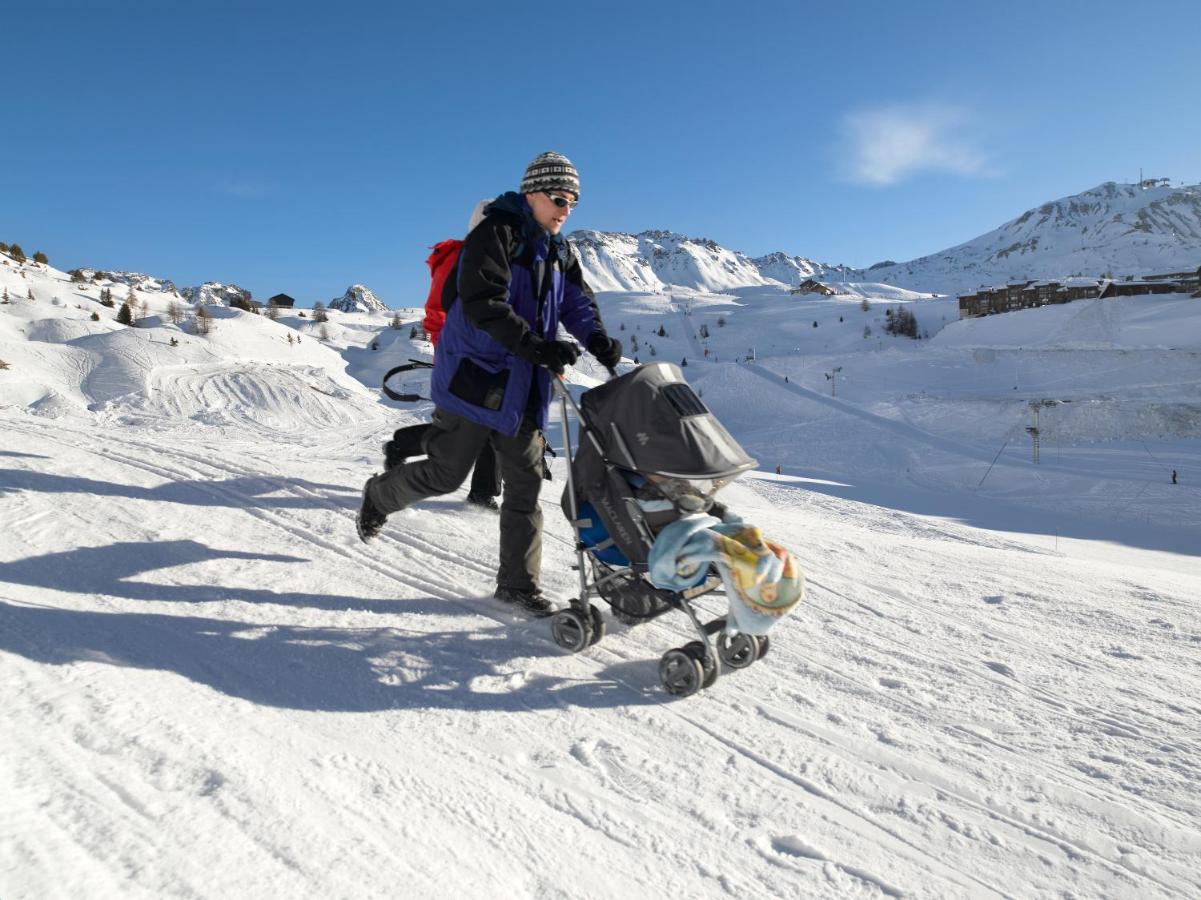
x=396, y=370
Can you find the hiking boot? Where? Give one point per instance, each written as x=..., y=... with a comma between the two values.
x=485, y=502
x=531, y=601
x=370, y=521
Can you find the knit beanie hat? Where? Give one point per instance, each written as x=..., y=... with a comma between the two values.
x=551, y=171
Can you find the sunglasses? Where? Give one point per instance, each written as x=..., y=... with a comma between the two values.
x=562, y=202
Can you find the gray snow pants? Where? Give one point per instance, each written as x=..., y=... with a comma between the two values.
x=451, y=448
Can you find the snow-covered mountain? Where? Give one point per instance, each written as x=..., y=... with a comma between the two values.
x=358, y=298
x=792, y=270
x=1120, y=229
x=655, y=260
x=136, y=280
x=214, y=293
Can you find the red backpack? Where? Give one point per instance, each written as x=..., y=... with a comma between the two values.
x=442, y=263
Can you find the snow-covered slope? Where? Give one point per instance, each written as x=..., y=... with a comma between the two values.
x=213, y=689
x=358, y=299
x=1119, y=229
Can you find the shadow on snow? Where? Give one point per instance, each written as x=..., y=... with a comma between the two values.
x=296, y=666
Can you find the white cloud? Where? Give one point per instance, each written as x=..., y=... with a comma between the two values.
x=887, y=144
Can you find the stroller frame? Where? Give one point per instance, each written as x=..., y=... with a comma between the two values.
x=682, y=670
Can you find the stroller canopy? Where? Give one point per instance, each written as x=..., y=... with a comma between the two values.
x=649, y=420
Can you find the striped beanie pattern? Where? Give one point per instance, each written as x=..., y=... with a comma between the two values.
x=551, y=171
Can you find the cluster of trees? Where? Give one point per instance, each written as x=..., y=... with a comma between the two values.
x=901, y=321
x=15, y=251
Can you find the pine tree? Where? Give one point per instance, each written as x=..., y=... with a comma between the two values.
x=125, y=314
x=3, y=247
x=662, y=331
x=77, y=276
x=323, y=333
x=319, y=313
x=16, y=252
x=396, y=324
x=95, y=316
x=40, y=257
x=273, y=310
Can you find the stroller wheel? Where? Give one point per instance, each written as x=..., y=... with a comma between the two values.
x=761, y=640
x=598, y=625
x=571, y=630
x=738, y=651
x=709, y=667
x=680, y=673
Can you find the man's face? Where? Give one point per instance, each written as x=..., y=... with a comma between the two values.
x=546, y=213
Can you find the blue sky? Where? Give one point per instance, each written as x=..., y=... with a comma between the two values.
x=302, y=147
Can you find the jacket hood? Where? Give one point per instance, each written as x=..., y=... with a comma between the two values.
x=515, y=204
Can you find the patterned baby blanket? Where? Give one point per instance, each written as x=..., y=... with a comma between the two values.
x=762, y=580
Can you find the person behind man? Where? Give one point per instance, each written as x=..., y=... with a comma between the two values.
x=517, y=280
x=410, y=440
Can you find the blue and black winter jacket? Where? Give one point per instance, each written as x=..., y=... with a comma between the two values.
x=477, y=374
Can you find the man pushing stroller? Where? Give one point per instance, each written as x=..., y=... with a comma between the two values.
x=517, y=279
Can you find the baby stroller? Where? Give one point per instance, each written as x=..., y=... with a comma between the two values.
x=649, y=452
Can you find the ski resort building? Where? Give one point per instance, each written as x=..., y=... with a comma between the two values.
x=283, y=301
x=813, y=286
x=1030, y=294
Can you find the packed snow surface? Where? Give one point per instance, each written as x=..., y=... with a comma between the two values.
x=213, y=689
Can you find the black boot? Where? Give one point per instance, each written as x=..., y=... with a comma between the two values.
x=484, y=501
x=370, y=521
x=531, y=601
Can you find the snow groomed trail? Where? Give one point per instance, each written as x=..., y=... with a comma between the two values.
x=214, y=689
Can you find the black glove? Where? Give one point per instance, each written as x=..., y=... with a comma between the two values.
x=553, y=355
x=607, y=350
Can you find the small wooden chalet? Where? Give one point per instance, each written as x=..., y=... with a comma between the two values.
x=813, y=286
x=283, y=301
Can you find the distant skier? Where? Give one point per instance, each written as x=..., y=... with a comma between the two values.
x=517, y=280
x=1173, y=476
